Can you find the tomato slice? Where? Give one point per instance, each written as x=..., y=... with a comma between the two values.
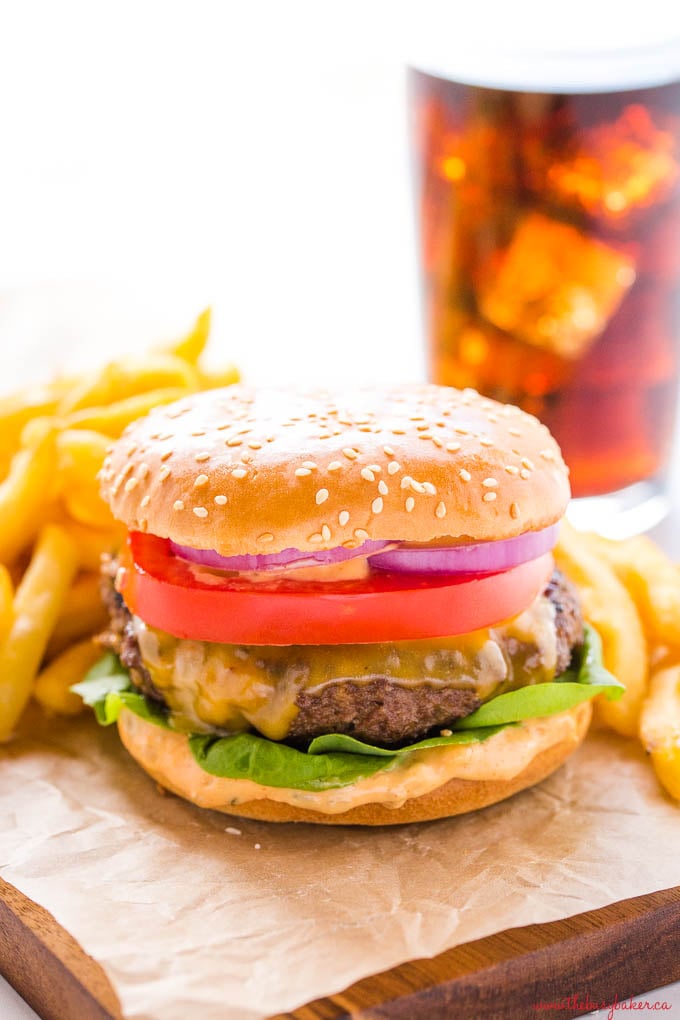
x=172, y=595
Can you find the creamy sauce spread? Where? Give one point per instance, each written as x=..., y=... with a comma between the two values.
x=501, y=757
x=229, y=688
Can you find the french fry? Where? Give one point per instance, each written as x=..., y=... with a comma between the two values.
x=80, y=455
x=113, y=419
x=21, y=407
x=6, y=603
x=611, y=610
x=191, y=346
x=36, y=607
x=652, y=579
x=25, y=495
x=92, y=542
x=660, y=726
x=82, y=614
x=212, y=379
x=53, y=683
x=128, y=377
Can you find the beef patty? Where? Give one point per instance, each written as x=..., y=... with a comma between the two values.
x=376, y=709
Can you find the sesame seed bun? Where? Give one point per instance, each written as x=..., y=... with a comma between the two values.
x=240, y=470
x=166, y=756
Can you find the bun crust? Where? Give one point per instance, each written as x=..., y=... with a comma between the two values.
x=166, y=757
x=240, y=470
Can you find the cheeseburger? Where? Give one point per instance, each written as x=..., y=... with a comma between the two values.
x=342, y=607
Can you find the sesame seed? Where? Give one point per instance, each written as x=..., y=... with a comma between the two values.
x=130, y=484
x=254, y=445
x=418, y=486
x=527, y=463
x=265, y=537
x=524, y=473
x=343, y=518
x=514, y=510
x=393, y=467
x=234, y=442
x=429, y=488
x=485, y=441
x=166, y=435
x=316, y=538
x=143, y=524
x=201, y=458
x=547, y=454
x=367, y=474
x=382, y=488
x=441, y=510
x=220, y=500
x=309, y=464
x=489, y=497
x=422, y=428
x=375, y=467
x=326, y=533
x=361, y=533
x=425, y=435
x=511, y=469
x=461, y=431
x=200, y=511
x=514, y=432
x=166, y=454
x=302, y=472
x=465, y=475
x=377, y=505
x=178, y=505
x=223, y=425
x=453, y=447
x=321, y=496
x=389, y=452
x=146, y=500
x=200, y=481
x=239, y=473
x=490, y=483
x=350, y=453
x=442, y=733
x=410, y=503
x=437, y=442
x=198, y=432
x=493, y=418
x=163, y=473
x=334, y=465
x=398, y=432
x=406, y=482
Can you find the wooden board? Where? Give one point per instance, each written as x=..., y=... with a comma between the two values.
x=624, y=949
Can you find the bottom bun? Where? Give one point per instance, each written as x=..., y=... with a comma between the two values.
x=514, y=759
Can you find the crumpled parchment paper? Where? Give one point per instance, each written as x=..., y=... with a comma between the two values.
x=199, y=914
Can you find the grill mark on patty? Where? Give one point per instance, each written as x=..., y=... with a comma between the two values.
x=377, y=710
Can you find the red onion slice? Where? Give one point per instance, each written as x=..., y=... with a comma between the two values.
x=477, y=558
x=285, y=558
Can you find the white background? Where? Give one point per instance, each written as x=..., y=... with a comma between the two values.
x=158, y=156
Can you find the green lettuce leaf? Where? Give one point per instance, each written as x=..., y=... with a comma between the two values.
x=336, y=760
x=106, y=688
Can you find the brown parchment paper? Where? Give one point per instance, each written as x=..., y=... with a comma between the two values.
x=189, y=918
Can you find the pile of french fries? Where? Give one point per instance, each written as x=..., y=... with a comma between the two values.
x=54, y=526
x=630, y=592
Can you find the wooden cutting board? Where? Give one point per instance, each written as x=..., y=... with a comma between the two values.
x=624, y=949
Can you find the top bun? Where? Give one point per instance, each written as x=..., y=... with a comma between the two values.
x=243, y=470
